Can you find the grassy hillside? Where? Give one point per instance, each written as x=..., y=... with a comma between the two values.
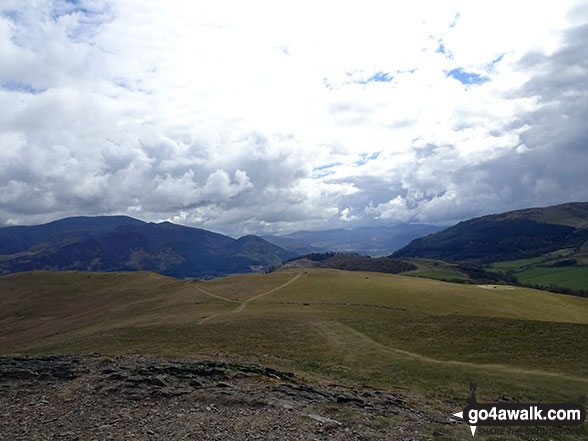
x=573, y=277
x=452, y=272
x=427, y=268
x=573, y=214
x=514, y=235
x=558, y=271
x=381, y=330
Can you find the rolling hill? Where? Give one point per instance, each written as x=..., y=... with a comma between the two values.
x=377, y=329
x=514, y=235
x=434, y=269
x=121, y=243
x=417, y=341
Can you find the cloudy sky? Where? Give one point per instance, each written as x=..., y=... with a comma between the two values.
x=251, y=117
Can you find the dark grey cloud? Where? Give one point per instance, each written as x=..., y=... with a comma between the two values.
x=100, y=115
x=548, y=167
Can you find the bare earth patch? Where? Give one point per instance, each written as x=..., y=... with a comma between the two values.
x=497, y=287
x=71, y=397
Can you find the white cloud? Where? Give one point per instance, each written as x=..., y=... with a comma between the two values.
x=258, y=116
x=219, y=187
x=345, y=215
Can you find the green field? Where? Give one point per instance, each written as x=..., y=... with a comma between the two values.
x=541, y=272
x=574, y=277
x=439, y=275
x=517, y=264
x=426, y=338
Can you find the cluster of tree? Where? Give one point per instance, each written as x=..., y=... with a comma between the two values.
x=479, y=275
x=366, y=263
x=486, y=241
x=356, y=262
x=320, y=257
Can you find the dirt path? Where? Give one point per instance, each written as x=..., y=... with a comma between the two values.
x=242, y=305
x=342, y=335
x=497, y=287
x=218, y=297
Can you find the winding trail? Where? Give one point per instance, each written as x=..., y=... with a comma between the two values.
x=218, y=297
x=344, y=335
x=242, y=305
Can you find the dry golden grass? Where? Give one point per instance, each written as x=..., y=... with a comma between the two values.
x=368, y=328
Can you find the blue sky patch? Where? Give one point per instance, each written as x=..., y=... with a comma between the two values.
x=67, y=9
x=17, y=86
x=365, y=158
x=378, y=77
x=466, y=77
x=455, y=20
x=326, y=166
x=323, y=170
x=11, y=15
x=90, y=18
x=441, y=48
x=360, y=77
x=323, y=174
x=495, y=61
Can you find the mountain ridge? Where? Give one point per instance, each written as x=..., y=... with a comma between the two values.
x=120, y=243
x=572, y=214
x=511, y=235
x=18, y=238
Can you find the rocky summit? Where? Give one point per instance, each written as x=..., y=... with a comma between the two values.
x=70, y=397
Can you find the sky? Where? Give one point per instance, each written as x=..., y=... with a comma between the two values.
x=271, y=116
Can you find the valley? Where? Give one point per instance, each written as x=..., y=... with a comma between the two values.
x=422, y=338
x=293, y=221
x=334, y=345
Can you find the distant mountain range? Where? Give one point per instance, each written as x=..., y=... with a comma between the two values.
x=120, y=243
x=514, y=235
x=372, y=241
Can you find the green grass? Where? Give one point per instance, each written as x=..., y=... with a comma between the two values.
x=483, y=340
x=366, y=352
x=440, y=275
x=423, y=337
x=517, y=264
x=432, y=297
x=573, y=277
x=531, y=271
